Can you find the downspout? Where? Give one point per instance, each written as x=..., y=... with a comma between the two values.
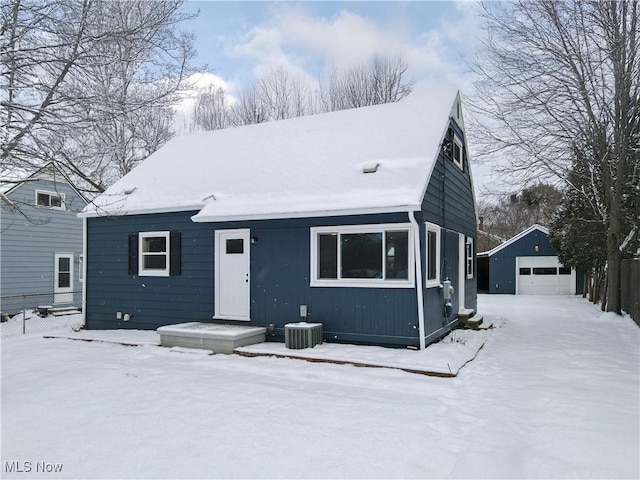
x=84, y=271
x=419, y=291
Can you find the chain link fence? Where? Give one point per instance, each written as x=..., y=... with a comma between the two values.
x=37, y=313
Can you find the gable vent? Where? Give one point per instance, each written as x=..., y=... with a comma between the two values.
x=370, y=167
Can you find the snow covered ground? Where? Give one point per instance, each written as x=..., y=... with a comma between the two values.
x=553, y=393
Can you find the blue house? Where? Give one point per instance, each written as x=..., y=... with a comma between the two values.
x=41, y=241
x=527, y=264
x=360, y=216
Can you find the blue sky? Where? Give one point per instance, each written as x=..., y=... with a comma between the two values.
x=238, y=40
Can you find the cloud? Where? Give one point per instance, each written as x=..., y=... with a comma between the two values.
x=308, y=44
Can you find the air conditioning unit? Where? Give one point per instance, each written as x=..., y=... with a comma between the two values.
x=302, y=335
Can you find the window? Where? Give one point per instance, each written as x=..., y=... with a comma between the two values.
x=362, y=256
x=64, y=271
x=154, y=254
x=433, y=255
x=565, y=271
x=50, y=199
x=457, y=152
x=235, y=245
x=545, y=271
x=469, y=252
x=525, y=271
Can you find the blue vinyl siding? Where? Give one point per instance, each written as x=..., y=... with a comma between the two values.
x=151, y=301
x=31, y=236
x=280, y=268
x=449, y=202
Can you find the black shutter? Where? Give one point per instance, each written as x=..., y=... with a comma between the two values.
x=174, y=254
x=133, y=254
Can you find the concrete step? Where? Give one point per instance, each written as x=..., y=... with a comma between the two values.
x=473, y=322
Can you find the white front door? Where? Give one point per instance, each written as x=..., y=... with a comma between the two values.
x=232, y=292
x=63, y=278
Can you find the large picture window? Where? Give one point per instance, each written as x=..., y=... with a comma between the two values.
x=363, y=255
x=433, y=255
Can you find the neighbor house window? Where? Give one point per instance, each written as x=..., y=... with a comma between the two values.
x=433, y=255
x=154, y=254
x=362, y=256
x=469, y=252
x=50, y=199
x=457, y=152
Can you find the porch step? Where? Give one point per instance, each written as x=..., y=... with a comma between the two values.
x=210, y=336
x=469, y=318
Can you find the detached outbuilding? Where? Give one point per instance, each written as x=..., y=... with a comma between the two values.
x=355, y=217
x=526, y=264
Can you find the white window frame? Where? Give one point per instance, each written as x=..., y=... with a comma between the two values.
x=458, y=161
x=81, y=268
x=154, y=272
x=469, y=257
x=362, y=282
x=50, y=194
x=432, y=227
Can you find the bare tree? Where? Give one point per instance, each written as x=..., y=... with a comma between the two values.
x=560, y=77
x=282, y=94
x=516, y=212
x=107, y=75
x=212, y=110
x=380, y=80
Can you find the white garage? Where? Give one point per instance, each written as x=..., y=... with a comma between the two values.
x=544, y=275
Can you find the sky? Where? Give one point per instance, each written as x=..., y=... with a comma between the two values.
x=239, y=40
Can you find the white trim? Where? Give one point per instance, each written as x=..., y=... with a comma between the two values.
x=459, y=162
x=51, y=194
x=469, y=259
x=437, y=229
x=314, y=281
x=84, y=271
x=63, y=294
x=419, y=293
x=515, y=238
x=304, y=214
x=462, y=266
x=154, y=272
x=245, y=234
x=81, y=268
x=93, y=211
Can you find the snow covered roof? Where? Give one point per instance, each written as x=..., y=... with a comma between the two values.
x=301, y=167
x=514, y=239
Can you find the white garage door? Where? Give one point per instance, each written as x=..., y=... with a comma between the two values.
x=544, y=276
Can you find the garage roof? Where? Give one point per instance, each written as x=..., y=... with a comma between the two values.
x=514, y=239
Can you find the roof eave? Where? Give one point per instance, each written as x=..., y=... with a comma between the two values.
x=304, y=214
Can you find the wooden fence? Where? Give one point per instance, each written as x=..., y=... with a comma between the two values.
x=630, y=288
